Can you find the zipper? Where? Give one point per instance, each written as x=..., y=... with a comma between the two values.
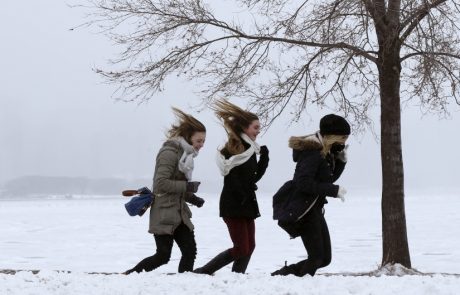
x=308, y=209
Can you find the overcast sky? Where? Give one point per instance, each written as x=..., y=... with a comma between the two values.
x=57, y=117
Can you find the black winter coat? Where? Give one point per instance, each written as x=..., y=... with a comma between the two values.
x=238, y=197
x=314, y=174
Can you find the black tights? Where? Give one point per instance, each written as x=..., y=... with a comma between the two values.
x=185, y=239
x=315, y=237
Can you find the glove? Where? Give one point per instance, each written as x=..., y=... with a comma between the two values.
x=198, y=202
x=341, y=193
x=264, y=150
x=192, y=186
x=194, y=200
x=342, y=155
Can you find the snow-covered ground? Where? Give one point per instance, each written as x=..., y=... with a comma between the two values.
x=87, y=234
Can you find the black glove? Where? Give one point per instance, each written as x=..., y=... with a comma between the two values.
x=192, y=186
x=264, y=150
x=197, y=201
x=337, y=147
x=194, y=200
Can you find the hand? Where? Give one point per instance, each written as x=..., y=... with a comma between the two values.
x=192, y=186
x=194, y=199
x=343, y=155
x=264, y=150
x=341, y=193
x=197, y=201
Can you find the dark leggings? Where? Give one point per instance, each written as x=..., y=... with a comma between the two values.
x=185, y=239
x=242, y=232
x=315, y=237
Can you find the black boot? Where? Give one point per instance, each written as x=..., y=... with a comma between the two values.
x=150, y=263
x=241, y=264
x=286, y=270
x=129, y=271
x=216, y=263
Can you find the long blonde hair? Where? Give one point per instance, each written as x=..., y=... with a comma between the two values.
x=329, y=140
x=186, y=126
x=235, y=120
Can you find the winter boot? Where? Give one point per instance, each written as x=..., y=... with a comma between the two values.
x=129, y=271
x=241, y=264
x=216, y=263
x=286, y=270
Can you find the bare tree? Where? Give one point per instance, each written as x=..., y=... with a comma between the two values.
x=348, y=55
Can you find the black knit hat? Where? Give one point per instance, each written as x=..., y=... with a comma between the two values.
x=334, y=125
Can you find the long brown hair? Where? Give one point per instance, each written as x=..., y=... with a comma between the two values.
x=186, y=126
x=235, y=120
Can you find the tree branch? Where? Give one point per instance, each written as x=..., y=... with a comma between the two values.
x=416, y=17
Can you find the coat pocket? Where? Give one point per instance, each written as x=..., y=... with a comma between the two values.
x=169, y=214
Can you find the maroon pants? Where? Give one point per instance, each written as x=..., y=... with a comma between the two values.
x=242, y=232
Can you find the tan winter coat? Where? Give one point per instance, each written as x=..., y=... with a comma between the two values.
x=169, y=185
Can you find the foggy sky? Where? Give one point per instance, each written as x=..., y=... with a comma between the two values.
x=57, y=117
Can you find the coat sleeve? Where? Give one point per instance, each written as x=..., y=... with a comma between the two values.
x=338, y=169
x=164, y=174
x=305, y=178
x=261, y=166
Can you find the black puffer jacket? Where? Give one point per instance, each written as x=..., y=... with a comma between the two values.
x=314, y=174
x=238, y=197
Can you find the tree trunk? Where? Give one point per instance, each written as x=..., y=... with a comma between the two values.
x=395, y=244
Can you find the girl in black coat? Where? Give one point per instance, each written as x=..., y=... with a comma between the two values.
x=321, y=159
x=238, y=206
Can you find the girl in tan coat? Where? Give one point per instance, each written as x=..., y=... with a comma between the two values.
x=173, y=187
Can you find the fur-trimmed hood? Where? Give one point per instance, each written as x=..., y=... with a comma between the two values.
x=307, y=142
x=298, y=144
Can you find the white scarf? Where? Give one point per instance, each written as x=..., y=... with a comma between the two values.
x=225, y=165
x=186, y=160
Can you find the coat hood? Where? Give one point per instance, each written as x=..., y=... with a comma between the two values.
x=298, y=144
x=172, y=143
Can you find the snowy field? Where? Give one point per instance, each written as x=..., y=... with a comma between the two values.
x=87, y=234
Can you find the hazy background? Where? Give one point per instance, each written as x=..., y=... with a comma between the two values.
x=57, y=117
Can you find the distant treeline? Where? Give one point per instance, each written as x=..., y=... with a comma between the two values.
x=50, y=185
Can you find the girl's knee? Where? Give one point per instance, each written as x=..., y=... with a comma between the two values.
x=242, y=252
x=326, y=261
x=164, y=256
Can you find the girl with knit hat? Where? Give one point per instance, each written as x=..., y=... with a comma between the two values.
x=321, y=159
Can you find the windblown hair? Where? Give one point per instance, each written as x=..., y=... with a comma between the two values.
x=328, y=141
x=186, y=126
x=235, y=120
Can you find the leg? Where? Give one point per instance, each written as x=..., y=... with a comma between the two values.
x=242, y=236
x=318, y=244
x=327, y=251
x=311, y=232
x=221, y=260
x=241, y=264
x=185, y=239
x=241, y=247
x=164, y=246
